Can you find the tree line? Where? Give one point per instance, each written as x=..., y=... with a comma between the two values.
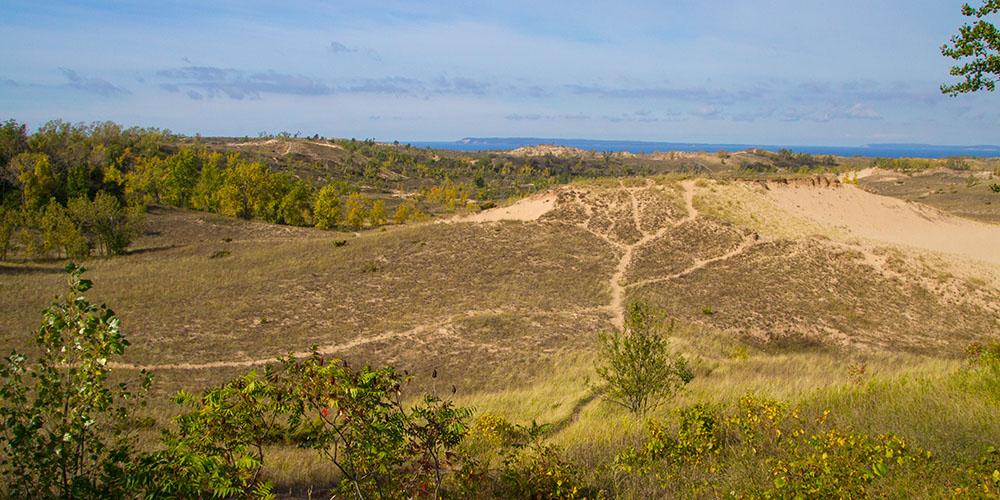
x=69, y=190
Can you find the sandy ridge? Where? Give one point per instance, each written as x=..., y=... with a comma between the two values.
x=528, y=209
x=890, y=220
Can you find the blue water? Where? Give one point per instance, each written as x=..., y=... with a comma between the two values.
x=869, y=150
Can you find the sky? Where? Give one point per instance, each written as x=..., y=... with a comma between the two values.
x=786, y=72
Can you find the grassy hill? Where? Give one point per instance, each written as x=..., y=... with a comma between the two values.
x=766, y=298
x=837, y=295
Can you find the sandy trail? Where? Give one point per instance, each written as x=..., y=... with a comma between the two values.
x=743, y=246
x=414, y=333
x=890, y=220
x=617, y=289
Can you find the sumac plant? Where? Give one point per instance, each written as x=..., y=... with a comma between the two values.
x=358, y=419
x=383, y=447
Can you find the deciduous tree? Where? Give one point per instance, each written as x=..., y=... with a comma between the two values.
x=638, y=371
x=63, y=426
x=326, y=210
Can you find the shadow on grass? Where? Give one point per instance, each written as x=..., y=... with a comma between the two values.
x=160, y=248
x=7, y=269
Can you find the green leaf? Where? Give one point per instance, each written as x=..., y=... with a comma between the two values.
x=879, y=469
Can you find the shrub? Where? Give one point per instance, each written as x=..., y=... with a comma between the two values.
x=217, y=446
x=698, y=435
x=638, y=372
x=835, y=464
x=64, y=427
x=358, y=421
x=982, y=479
x=531, y=468
x=984, y=356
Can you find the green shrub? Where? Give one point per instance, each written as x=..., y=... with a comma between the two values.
x=638, y=372
x=698, y=435
x=64, y=429
x=382, y=448
x=836, y=464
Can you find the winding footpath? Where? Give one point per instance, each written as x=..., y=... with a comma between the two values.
x=617, y=305
x=616, y=284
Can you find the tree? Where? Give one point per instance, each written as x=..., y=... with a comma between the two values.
x=180, y=178
x=405, y=211
x=356, y=208
x=289, y=200
x=377, y=215
x=326, y=210
x=63, y=427
x=244, y=189
x=38, y=182
x=59, y=231
x=10, y=222
x=638, y=372
x=979, y=41
x=206, y=192
x=143, y=181
x=13, y=140
x=108, y=222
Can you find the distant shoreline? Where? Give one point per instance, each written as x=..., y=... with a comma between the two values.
x=868, y=150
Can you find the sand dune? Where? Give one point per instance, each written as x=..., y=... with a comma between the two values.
x=890, y=220
x=527, y=209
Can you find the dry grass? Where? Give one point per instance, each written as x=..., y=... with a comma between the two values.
x=508, y=312
x=962, y=193
x=819, y=293
x=411, y=295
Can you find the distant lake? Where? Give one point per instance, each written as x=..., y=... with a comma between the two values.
x=870, y=150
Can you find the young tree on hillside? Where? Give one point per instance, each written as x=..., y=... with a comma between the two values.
x=979, y=42
x=377, y=215
x=356, y=208
x=64, y=429
x=638, y=372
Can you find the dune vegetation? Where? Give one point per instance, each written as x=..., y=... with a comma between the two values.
x=304, y=341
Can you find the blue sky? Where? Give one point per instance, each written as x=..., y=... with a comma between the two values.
x=776, y=72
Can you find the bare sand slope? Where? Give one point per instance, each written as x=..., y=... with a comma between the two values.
x=527, y=209
x=891, y=220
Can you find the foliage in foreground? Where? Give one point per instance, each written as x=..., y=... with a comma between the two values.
x=66, y=434
x=65, y=428
x=980, y=42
